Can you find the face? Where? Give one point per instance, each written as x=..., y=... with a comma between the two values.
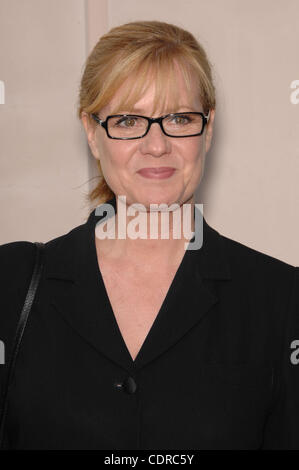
x=121, y=160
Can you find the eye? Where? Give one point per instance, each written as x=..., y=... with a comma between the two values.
x=181, y=119
x=127, y=121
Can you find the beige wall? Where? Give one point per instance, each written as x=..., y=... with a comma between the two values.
x=43, y=164
x=249, y=190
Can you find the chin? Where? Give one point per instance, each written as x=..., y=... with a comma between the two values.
x=157, y=199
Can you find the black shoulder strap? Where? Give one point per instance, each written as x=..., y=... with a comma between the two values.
x=39, y=261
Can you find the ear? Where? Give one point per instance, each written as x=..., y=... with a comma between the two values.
x=90, y=129
x=209, y=130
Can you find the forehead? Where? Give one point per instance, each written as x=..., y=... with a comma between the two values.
x=157, y=94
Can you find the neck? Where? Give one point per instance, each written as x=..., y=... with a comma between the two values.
x=162, y=235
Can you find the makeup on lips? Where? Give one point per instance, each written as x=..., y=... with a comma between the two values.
x=158, y=172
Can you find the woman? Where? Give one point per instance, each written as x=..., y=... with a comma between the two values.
x=140, y=343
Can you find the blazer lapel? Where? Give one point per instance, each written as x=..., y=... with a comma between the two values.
x=189, y=299
x=78, y=293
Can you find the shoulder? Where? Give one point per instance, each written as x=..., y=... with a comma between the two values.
x=261, y=278
x=264, y=279
x=16, y=268
x=16, y=263
x=17, y=258
x=245, y=259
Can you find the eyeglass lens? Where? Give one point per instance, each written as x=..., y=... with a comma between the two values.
x=181, y=124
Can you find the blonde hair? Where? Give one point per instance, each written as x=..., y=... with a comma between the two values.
x=139, y=51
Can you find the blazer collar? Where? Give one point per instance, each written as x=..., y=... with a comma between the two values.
x=75, y=249
x=78, y=293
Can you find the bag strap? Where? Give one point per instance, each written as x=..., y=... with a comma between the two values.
x=39, y=259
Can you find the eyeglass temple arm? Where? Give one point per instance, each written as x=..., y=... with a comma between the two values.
x=96, y=118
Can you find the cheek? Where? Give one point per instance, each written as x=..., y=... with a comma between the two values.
x=191, y=153
x=109, y=155
x=117, y=154
x=116, y=162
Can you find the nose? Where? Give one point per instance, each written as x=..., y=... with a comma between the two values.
x=155, y=142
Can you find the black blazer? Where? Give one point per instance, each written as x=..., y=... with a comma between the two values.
x=215, y=371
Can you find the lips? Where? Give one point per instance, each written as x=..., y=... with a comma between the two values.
x=158, y=172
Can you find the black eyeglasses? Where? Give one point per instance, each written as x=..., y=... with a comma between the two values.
x=134, y=126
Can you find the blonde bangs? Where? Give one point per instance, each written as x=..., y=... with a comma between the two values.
x=135, y=81
x=134, y=84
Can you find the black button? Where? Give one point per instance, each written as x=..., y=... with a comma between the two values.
x=128, y=385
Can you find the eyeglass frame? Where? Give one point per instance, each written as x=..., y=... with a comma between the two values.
x=104, y=124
